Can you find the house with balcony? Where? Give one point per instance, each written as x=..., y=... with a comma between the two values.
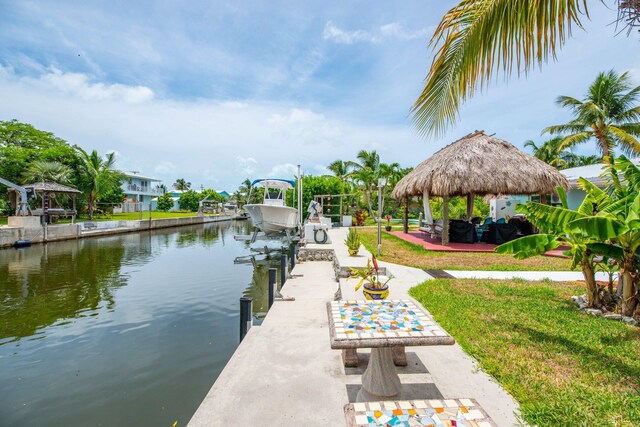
x=138, y=190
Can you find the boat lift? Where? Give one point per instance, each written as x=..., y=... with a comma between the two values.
x=26, y=194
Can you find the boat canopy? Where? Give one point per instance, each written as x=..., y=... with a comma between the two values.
x=281, y=184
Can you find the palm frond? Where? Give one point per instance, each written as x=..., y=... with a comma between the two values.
x=478, y=38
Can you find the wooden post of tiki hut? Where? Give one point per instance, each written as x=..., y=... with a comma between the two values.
x=477, y=165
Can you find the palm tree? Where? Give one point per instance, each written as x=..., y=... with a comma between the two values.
x=342, y=171
x=41, y=170
x=181, y=184
x=99, y=176
x=366, y=173
x=242, y=195
x=162, y=188
x=391, y=174
x=610, y=113
x=478, y=38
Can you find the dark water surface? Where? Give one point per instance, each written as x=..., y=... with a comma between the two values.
x=127, y=330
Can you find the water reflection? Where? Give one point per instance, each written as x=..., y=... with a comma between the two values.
x=122, y=330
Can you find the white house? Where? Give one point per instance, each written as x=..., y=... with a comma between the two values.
x=138, y=190
x=592, y=173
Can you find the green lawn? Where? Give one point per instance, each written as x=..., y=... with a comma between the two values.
x=402, y=252
x=563, y=366
x=3, y=220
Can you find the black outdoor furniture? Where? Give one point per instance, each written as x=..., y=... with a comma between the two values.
x=462, y=232
x=498, y=234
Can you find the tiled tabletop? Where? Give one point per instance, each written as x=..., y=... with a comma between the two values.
x=387, y=323
x=440, y=413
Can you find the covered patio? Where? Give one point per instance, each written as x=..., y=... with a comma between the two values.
x=54, y=200
x=476, y=164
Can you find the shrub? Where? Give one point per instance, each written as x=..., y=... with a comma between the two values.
x=165, y=202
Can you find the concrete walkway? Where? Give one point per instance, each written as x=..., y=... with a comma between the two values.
x=284, y=372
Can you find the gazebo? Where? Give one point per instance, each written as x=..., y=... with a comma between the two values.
x=47, y=192
x=477, y=164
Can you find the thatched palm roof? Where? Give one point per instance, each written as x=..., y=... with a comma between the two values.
x=480, y=164
x=52, y=187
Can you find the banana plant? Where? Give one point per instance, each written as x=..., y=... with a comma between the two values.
x=553, y=223
x=616, y=226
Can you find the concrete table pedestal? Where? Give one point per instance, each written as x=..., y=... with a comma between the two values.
x=380, y=380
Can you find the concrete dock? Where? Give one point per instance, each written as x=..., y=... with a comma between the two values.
x=284, y=372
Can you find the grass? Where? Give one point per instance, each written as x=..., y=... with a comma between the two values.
x=3, y=220
x=563, y=366
x=399, y=251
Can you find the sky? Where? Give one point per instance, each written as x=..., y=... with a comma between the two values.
x=215, y=92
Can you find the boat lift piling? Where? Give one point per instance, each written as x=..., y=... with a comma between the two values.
x=246, y=317
x=272, y=284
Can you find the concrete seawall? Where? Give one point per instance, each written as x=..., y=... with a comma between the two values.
x=52, y=233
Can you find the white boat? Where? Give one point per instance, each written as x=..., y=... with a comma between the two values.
x=273, y=215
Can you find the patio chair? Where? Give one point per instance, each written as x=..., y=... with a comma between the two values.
x=480, y=229
x=501, y=221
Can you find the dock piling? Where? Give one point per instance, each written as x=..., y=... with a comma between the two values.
x=292, y=255
x=246, y=320
x=272, y=284
x=283, y=270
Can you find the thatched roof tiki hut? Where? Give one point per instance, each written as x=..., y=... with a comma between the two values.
x=47, y=192
x=477, y=164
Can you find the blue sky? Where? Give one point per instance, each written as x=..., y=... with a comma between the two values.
x=215, y=92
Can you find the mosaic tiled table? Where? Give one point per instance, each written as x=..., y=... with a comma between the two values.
x=440, y=413
x=380, y=325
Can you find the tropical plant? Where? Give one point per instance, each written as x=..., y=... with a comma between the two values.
x=52, y=171
x=181, y=184
x=616, y=226
x=165, y=202
x=342, y=171
x=366, y=174
x=478, y=38
x=189, y=201
x=610, y=114
x=369, y=274
x=99, y=177
x=353, y=241
x=555, y=230
x=161, y=188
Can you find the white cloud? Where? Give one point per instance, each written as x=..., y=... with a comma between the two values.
x=283, y=170
x=79, y=85
x=165, y=167
x=247, y=164
x=392, y=30
x=296, y=115
x=331, y=32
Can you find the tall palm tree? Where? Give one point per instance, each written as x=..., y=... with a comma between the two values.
x=181, y=184
x=342, y=171
x=41, y=170
x=99, y=176
x=366, y=174
x=610, y=113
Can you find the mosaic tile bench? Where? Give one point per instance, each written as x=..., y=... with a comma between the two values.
x=437, y=413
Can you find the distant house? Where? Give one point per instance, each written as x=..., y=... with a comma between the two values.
x=592, y=173
x=223, y=194
x=139, y=190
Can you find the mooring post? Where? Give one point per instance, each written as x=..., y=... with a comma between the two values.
x=283, y=270
x=292, y=255
x=245, y=316
x=272, y=284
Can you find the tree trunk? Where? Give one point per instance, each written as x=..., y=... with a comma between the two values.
x=629, y=300
x=90, y=207
x=593, y=297
x=367, y=194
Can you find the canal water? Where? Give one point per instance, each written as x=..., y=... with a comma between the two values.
x=128, y=330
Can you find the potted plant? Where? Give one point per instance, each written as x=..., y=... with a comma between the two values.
x=375, y=286
x=388, y=226
x=353, y=242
